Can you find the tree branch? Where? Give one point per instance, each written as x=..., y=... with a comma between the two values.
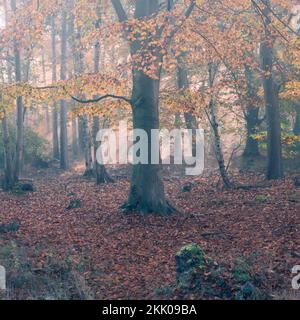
x=106, y=96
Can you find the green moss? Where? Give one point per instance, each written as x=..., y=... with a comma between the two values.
x=193, y=251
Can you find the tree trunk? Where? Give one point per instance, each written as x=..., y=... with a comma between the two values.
x=251, y=115
x=64, y=161
x=215, y=127
x=252, y=121
x=75, y=146
x=20, y=126
x=271, y=96
x=147, y=189
x=47, y=115
x=101, y=173
x=190, y=119
x=9, y=179
x=297, y=121
x=87, y=148
x=55, y=143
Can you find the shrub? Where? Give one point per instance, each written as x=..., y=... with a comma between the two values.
x=35, y=147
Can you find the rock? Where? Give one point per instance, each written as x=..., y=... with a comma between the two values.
x=74, y=204
x=187, y=187
x=187, y=259
x=27, y=187
x=250, y=292
x=11, y=227
x=297, y=182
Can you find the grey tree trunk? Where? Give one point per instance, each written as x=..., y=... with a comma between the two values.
x=55, y=144
x=190, y=119
x=20, y=126
x=251, y=115
x=9, y=179
x=147, y=189
x=73, y=72
x=89, y=172
x=9, y=176
x=215, y=127
x=101, y=173
x=47, y=115
x=64, y=161
x=296, y=129
x=75, y=146
x=252, y=121
x=271, y=96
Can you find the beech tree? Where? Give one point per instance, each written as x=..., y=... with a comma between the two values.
x=147, y=190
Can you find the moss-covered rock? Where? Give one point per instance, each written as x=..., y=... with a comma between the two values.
x=188, y=259
x=197, y=273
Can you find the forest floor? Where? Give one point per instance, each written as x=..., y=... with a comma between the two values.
x=73, y=242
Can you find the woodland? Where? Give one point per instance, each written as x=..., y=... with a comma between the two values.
x=73, y=228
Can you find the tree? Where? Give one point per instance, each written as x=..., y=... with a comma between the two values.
x=101, y=173
x=147, y=190
x=271, y=96
x=20, y=126
x=64, y=159
x=251, y=115
x=55, y=143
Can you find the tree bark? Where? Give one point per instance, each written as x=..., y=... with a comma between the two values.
x=296, y=129
x=190, y=119
x=9, y=179
x=147, y=190
x=20, y=126
x=271, y=96
x=252, y=121
x=64, y=161
x=101, y=173
x=215, y=127
x=251, y=115
x=55, y=143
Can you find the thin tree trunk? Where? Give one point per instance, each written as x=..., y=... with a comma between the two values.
x=215, y=127
x=87, y=148
x=64, y=161
x=296, y=129
x=75, y=146
x=101, y=173
x=9, y=179
x=190, y=119
x=47, y=115
x=252, y=121
x=271, y=96
x=251, y=115
x=20, y=126
x=54, y=78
